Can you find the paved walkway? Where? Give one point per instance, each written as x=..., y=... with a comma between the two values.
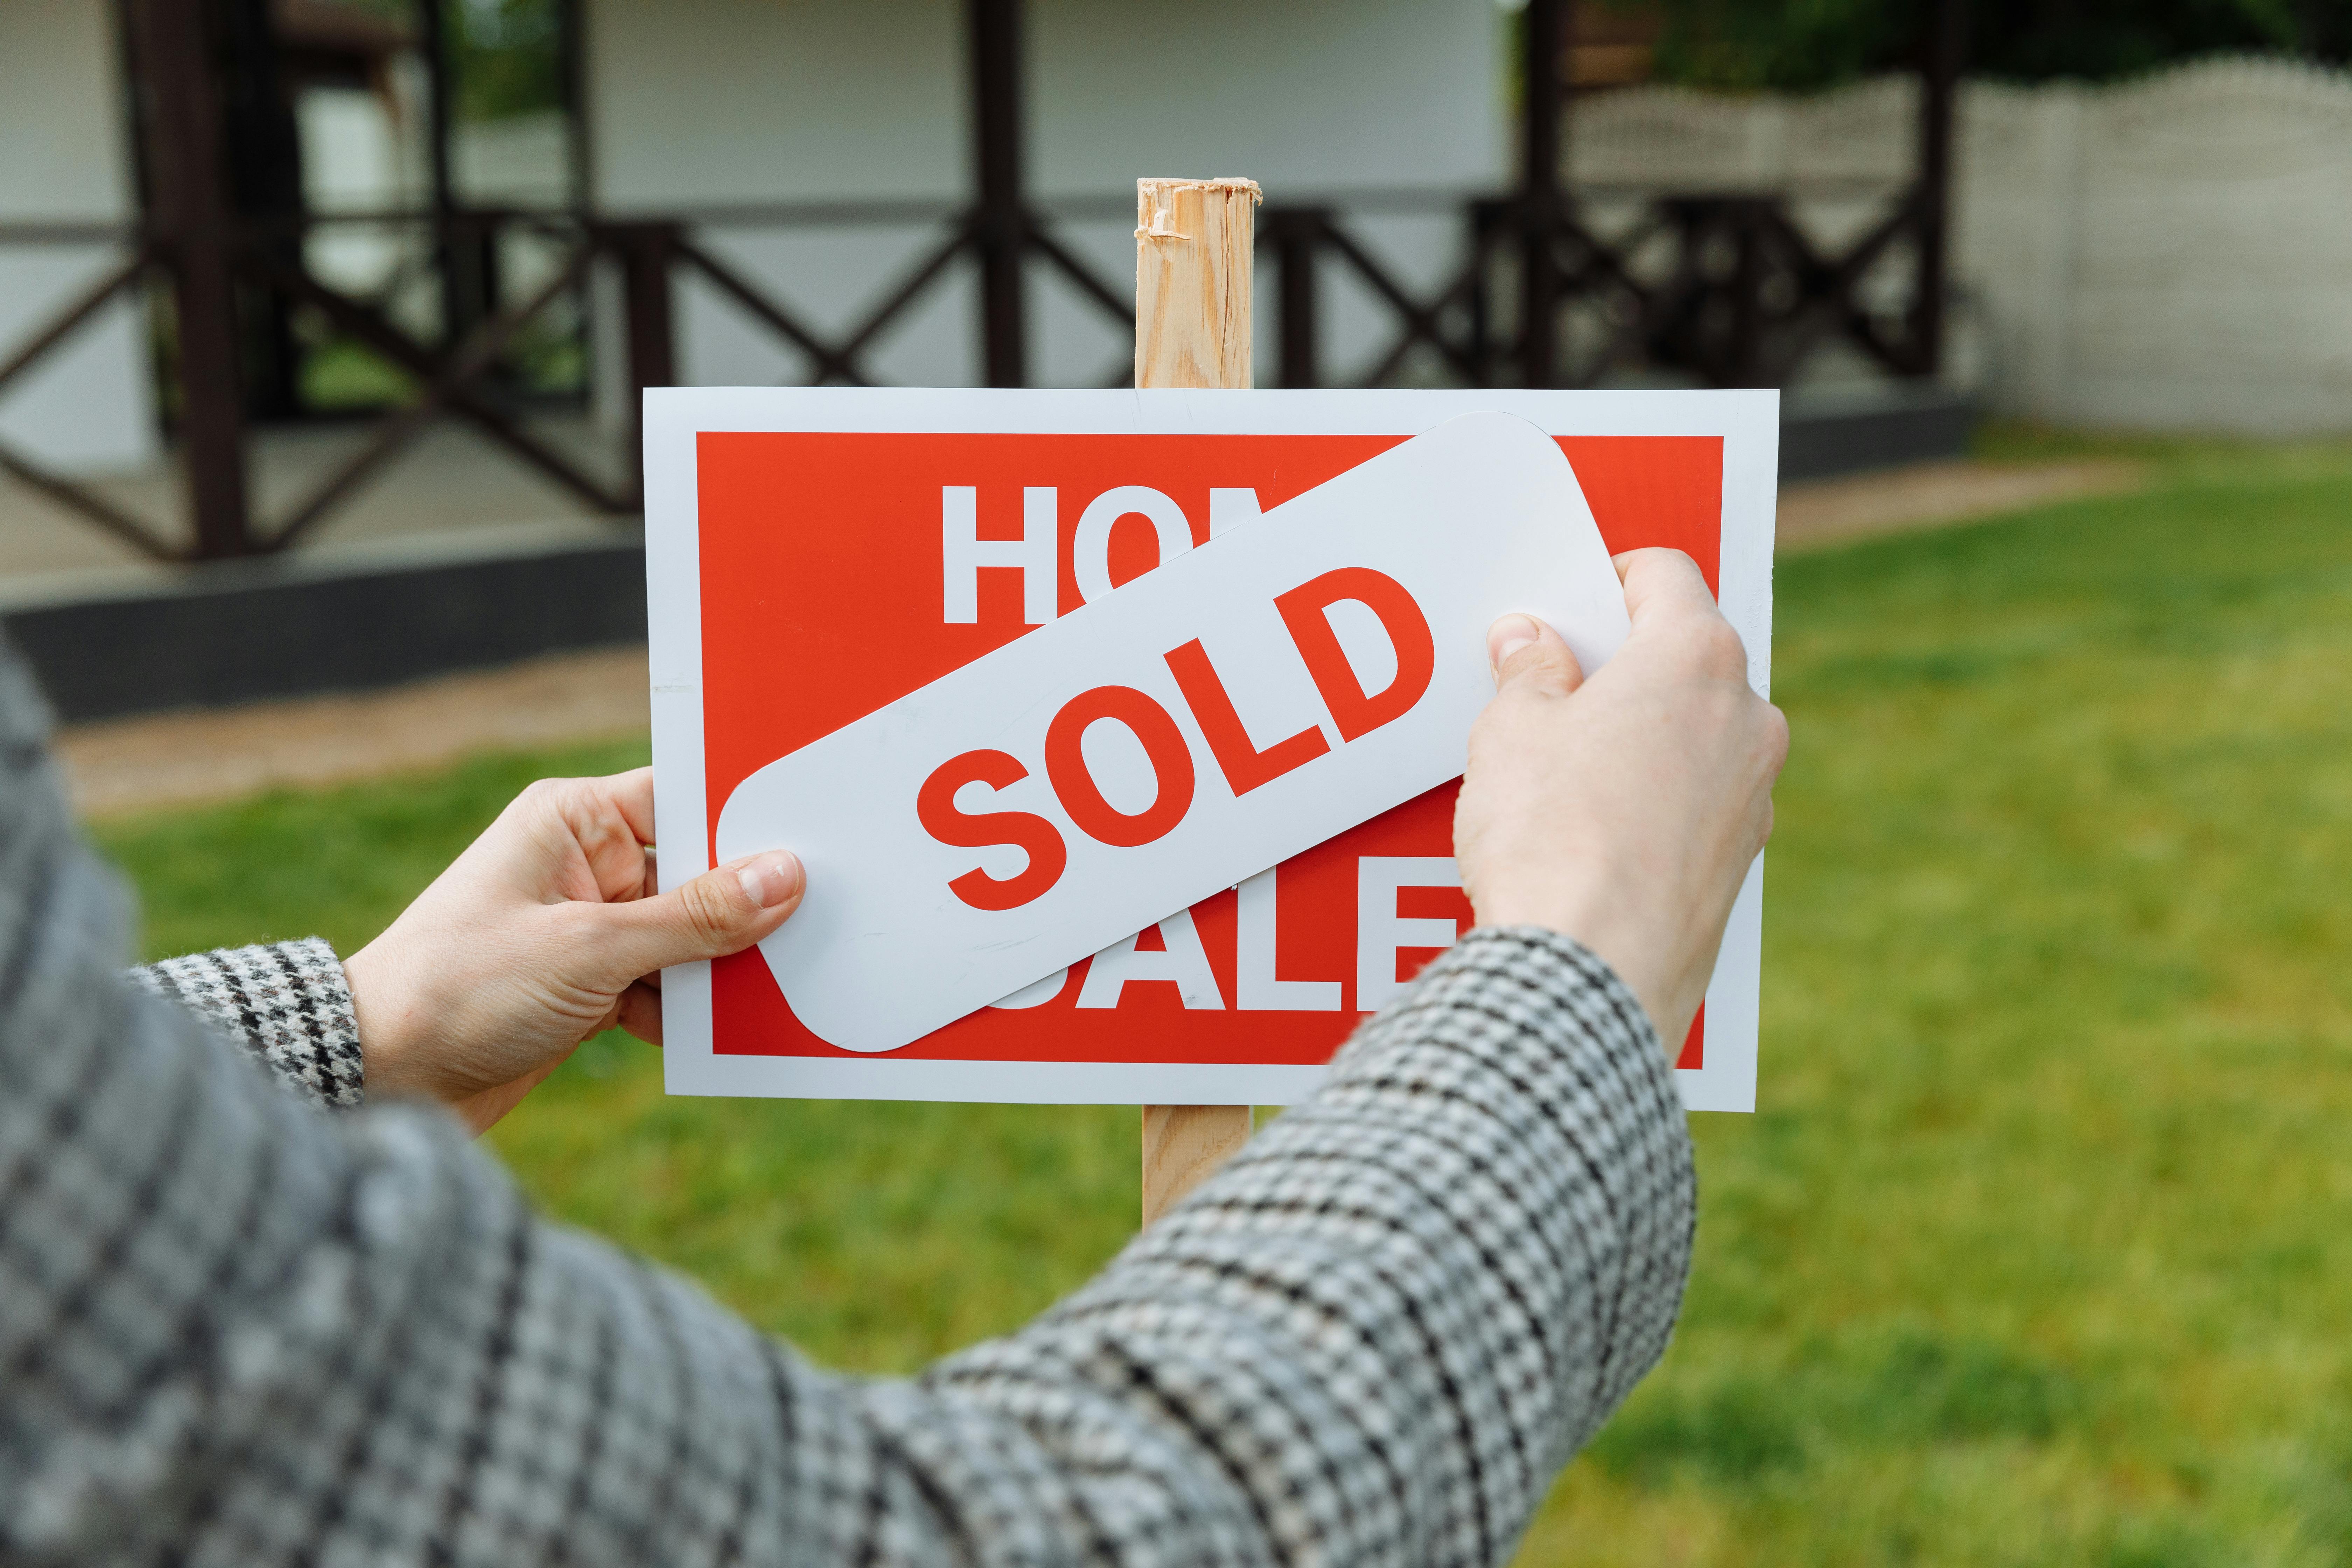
x=1929, y=495
x=177, y=759
x=122, y=765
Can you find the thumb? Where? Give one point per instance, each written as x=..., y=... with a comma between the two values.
x=719, y=912
x=1524, y=651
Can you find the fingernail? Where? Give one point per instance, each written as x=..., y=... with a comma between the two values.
x=770, y=880
x=1509, y=634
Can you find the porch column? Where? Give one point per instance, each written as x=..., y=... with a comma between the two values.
x=172, y=54
x=999, y=215
x=1545, y=45
x=465, y=252
x=647, y=250
x=1942, y=55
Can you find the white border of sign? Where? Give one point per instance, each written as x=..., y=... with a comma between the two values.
x=1748, y=423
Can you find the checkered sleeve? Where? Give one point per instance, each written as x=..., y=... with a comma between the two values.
x=287, y=1003
x=233, y=1331
x=1377, y=1334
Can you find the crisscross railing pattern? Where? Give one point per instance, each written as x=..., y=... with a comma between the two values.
x=453, y=383
x=45, y=339
x=1729, y=289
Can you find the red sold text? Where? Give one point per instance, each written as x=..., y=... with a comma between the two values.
x=1240, y=763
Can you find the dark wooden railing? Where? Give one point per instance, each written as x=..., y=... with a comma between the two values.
x=1721, y=290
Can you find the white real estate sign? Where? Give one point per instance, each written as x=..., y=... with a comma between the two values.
x=1117, y=729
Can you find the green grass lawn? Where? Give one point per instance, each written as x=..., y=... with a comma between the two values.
x=2039, y=1249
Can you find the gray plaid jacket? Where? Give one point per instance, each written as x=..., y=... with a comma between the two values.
x=235, y=1329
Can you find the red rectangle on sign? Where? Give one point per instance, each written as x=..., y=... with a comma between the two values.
x=827, y=591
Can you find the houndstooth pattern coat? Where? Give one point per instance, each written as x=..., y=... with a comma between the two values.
x=237, y=1329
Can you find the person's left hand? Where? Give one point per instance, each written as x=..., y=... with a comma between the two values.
x=546, y=930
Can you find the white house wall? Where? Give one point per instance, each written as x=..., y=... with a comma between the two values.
x=721, y=102
x=90, y=406
x=1299, y=95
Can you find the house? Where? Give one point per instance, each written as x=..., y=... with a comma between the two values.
x=66, y=192
x=929, y=192
x=816, y=144
x=760, y=117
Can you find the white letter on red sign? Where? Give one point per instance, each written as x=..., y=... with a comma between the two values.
x=1254, y=986
x=1036, y=993
x=1181, y=960
x=1228, y=509
x=1381, y=933
x=963, y=553
x=1091, y=547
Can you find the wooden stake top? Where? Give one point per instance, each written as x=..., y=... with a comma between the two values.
x=1193, y=242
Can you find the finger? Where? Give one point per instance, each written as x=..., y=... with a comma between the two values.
x=586, y=829
x=640, y=1010
x=631, y=795
x=719, y=912
x=1524, y=651
x=1660, y=584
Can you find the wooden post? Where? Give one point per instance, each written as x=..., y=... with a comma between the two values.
x=1193, y=328
x=1192, y=246
x=1000, y=232
x=182, y=121
x=1295, y=236
x=1546, y=31
x=645, y=248
x=262, y=148
x=1943, y=52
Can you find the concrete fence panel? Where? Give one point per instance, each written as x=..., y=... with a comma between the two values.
x=2173, y=252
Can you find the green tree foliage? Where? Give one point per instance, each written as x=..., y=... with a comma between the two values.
x=506, y=56
x=1801, y=45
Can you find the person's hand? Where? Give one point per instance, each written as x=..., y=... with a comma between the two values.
x=1625, y=810
x=546, y=930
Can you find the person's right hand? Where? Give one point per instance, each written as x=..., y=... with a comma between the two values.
x=1625, y=810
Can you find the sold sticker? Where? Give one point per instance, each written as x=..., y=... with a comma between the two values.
x=1120, y=730
x=1105, y=763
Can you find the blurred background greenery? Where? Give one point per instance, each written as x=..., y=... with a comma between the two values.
x=2036, y=1250
x=1800, y=46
